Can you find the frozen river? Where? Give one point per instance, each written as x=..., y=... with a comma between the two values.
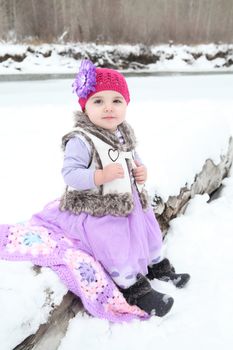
x=169, y=88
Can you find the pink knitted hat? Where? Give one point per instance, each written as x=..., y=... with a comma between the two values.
x=90, y=80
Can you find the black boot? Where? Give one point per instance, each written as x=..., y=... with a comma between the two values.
x=164, y=271
x=149, y=300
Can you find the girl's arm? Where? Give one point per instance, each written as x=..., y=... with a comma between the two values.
x=136, y=157
x=140, y=172
x=75, y=169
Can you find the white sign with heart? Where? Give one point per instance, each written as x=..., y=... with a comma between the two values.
x=113, y=154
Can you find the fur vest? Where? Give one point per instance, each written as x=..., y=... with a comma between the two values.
x=103, y=200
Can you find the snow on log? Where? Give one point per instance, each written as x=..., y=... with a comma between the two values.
x=207, y=181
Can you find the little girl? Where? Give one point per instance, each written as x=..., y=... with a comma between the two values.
x=105, y=202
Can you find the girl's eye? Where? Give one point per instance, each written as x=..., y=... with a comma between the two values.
x=98, y=101
x=117, y=101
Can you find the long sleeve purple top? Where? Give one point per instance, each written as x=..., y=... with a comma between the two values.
x=75, y=169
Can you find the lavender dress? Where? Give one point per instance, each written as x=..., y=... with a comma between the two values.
x=125, y=246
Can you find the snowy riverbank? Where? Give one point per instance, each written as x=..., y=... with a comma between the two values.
x=64, y=58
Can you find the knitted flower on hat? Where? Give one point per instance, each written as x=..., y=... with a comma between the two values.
x=85, y=80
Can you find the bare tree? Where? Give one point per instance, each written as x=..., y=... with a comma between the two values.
x=116, y=21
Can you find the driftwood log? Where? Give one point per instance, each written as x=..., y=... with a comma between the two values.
x=209, y=180
x=49, y=335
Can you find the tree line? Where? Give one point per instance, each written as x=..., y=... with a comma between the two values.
x=117, y=21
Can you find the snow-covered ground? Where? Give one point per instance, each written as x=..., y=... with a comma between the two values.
x=63, y=58
x=180, y=121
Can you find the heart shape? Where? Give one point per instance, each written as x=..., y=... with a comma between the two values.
x=113, y=154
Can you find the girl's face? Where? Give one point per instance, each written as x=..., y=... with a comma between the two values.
x=106, y=109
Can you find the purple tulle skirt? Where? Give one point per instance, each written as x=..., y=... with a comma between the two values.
x=125, y=246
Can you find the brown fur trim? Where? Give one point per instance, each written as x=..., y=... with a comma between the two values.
x=82, y=121
x=97, y=205
x=144, y=198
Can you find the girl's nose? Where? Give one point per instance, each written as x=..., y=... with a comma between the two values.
x=108, y=107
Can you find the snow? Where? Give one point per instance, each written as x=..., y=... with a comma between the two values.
x=59, y=58
x=199, y=242
x=182, y=121
x=23, y=300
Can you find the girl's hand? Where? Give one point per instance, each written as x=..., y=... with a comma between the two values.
x=108, y=173
x=140, y=173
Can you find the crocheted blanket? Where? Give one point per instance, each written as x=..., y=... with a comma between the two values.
x=83, y=275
